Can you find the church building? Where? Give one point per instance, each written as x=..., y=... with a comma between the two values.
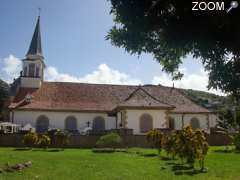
x=77, y=106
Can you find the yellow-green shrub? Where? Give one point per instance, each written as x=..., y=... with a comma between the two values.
x=169, y=144
x=44, y=141
x=30, y=139
x=61, y=138
x=155, y=137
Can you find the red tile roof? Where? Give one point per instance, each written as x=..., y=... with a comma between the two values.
x=64, y=96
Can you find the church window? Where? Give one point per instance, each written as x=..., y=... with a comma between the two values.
x=195, y=123
x=42, y=124
x=31, y=69
x=146, y=123
x=37, y=71
x=71, y=123
x=98, y=123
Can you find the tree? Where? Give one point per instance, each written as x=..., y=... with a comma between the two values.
x=4, y=97
x=170, y=30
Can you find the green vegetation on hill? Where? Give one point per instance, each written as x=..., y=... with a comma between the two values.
x=208, y=100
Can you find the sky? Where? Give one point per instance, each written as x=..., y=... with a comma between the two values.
x=74, y=46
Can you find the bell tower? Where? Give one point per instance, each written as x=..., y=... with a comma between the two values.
x=33, y=65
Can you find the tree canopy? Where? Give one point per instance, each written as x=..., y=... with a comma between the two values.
x=4, y=96
x=170, y=30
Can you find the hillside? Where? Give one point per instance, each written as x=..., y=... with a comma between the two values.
x=208, y=100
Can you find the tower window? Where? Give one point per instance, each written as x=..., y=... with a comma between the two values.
x=25, y=71
x=31, y=69
x=37, y=71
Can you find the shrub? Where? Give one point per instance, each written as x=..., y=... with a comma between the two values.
x=30, y=139
x=236, y=141
x=169, y=144
x=61, y=138
x=155, y=137
x=191, y=145
x=44, y=141
x=200, y=147
x=111, y=140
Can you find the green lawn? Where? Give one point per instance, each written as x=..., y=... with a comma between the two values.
x=84, y=164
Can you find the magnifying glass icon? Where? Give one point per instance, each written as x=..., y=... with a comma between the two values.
x=233, y=4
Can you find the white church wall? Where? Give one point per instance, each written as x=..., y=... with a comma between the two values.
x=30, y=82
x=57, y=119
x=177, y=121
x=201, y=117
x=133, y=117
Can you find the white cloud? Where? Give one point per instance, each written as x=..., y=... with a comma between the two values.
x=103, y=75
x=106, y=75
x=11, y=68
x=196, y=81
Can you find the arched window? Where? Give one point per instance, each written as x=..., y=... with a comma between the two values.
x=171, y=123
x=146, y=123
x=31, y=70
x=42, y=124
x=98, y=123
x=37, y=71
x=25, y=71
x=71, y=123
x=195, y=123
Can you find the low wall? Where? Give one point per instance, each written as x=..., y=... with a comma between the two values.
x=80, y=141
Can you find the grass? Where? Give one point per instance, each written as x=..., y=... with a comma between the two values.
x=85, y=164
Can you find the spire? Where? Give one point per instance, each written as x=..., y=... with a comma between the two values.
x=35, y=48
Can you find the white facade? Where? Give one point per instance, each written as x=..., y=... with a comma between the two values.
x=32, y=78
x=30, y=82
x=57, y=119
x=206, y=121
x=159, y=117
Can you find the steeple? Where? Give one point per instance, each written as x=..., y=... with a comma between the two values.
x=33, y=65
x=35, y=49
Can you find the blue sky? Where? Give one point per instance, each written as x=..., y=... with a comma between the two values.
x=74, y=45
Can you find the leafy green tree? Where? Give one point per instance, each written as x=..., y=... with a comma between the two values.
x=4, y=97
x=170, y=30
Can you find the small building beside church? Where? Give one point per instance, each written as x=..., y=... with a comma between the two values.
x=77, y=106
